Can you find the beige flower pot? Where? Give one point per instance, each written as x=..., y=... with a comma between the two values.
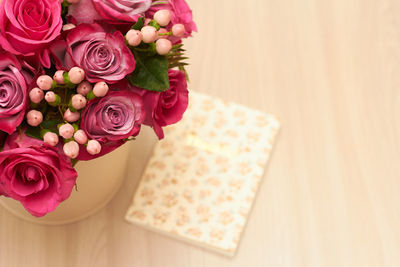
x=98, y=182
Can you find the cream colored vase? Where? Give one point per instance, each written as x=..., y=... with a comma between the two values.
x=98, y=182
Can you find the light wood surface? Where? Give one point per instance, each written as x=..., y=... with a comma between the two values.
x=330, y=70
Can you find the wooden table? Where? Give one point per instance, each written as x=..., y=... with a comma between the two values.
x=331, y=195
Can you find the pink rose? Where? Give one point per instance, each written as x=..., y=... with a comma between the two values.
x=88, y=11
x=28, y=26
x=103, y=56
x=180, y=14
x=14, y=80
x=111, y=120
x=35, y=174
x=167, y=107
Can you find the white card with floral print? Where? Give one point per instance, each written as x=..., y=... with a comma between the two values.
x=201, y=182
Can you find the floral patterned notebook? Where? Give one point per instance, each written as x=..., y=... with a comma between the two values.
x=201, y=182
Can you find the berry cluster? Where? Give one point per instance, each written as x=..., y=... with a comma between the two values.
x=68, y=93
x=155, y=31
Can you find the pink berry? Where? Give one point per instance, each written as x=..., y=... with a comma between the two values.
x=34, y=118
x=71, y=116
x=71, y=149
x=50, y=97
x=162, y=17
x=84, y=88
x=58, y=77
x=178, y=30
x=76, y=75
x=134, y=37
x=100, y=89
x=163, y=46
x=79, y=101
x=68, y=27
x=93, y=147
x=51, y=138
x=36, y=95
x=149, y=34
x=80, y=137
x=66, y=131
x=44, y=82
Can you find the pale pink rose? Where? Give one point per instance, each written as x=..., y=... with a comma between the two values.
x=111, y=120
x=102, y=55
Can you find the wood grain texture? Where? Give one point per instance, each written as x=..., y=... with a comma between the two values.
x=330, y=70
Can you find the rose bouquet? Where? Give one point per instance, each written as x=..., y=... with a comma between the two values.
x=78, y=79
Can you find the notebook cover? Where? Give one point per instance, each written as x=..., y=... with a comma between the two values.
x=201, y=181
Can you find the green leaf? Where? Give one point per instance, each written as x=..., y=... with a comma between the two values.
x=50, y=125
x=151, y=72
x=33, y=132
x=155, y=24
x=139, y=24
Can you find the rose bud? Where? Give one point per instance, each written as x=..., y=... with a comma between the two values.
x=44, y=82
x=36, y=95
x=149, y=34
x=93, y=147
x=51, y=138
x=78, y=101
x=100, y=89
x=66, y=131
x=163, y=17
x=34, y=118
x=84, y=88
x=71, y=149
x=163, y=46
x=59, y=77
x=81, y=137
x=76, y=75
x=134, y=37
x=178, y=30
x=71, y=116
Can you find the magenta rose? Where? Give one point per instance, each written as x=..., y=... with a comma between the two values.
x=111, y=120
x=180, y=14
x=103, y=56
x=166, y=108
x=14, y=80
x=28, y=26
x=35, y=174
x=88, y=11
